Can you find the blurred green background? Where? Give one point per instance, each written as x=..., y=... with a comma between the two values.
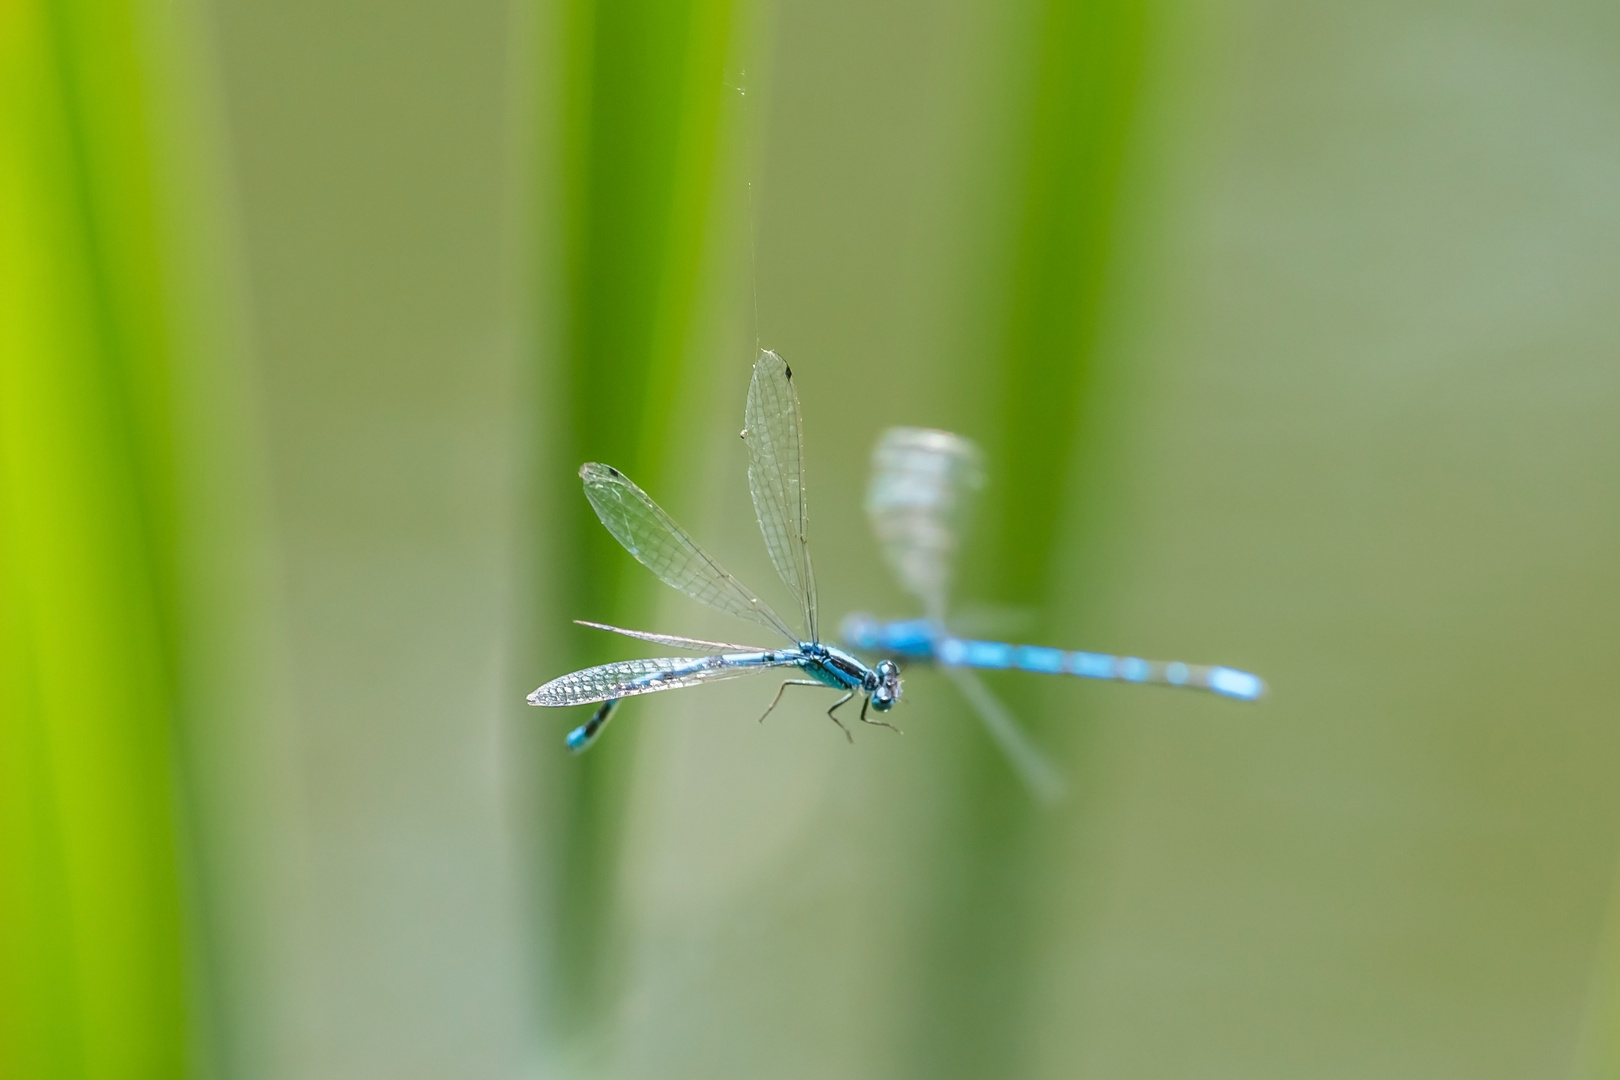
x=1292, y=332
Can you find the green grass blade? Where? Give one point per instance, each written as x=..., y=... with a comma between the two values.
x=641, y=118
x=90, y=905
x=1086, y=72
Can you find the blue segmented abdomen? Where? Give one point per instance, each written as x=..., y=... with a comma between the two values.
x=918, y=639
x=911, y=638
x=1089, y=665
x=583, y=737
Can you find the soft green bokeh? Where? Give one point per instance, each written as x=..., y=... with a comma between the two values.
x=640, y=119
x=90, y=890
x=1318, y=386
x=1290, y=333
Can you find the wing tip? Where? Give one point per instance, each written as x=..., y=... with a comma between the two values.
x=768, y=355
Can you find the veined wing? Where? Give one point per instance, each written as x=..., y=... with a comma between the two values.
x=1038, y=774
x=776, y=478
x=922, y=487
x=627, y=678
x=695, y=644
x=668, y=550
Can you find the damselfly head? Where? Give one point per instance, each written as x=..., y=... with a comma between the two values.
x=887, y=689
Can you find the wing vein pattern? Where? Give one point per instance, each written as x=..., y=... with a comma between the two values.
x=922, y=489
x=776, y=478
x=628, y=678
x=668, y=550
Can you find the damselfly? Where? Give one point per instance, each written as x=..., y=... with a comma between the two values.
x=923, y=483
x=776, y=481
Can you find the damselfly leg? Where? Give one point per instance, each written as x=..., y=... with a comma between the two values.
x=785, y=684
x=832, y=714
x=876, y=723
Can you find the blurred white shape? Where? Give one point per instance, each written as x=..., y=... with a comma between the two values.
x=923, y=486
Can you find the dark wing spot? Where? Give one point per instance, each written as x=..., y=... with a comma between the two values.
x=788, y=370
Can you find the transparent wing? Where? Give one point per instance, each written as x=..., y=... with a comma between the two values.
x=776, y=478
x=1032, y=766
x=668, y=551
x=922, y=488
x=627, y=678
x=695, y=644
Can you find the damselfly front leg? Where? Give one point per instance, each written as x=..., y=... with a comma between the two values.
x=876, y=723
